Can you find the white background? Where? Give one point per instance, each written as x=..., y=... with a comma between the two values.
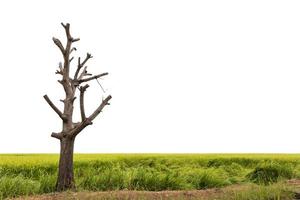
x=185, y=76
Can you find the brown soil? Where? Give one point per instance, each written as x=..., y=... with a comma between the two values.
x=208, y=194
x=137, y=195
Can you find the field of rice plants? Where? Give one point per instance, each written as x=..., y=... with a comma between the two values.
x=29, y=174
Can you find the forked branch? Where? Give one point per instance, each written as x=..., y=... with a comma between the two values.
x=67, y=29
x=83, y=73
x=89, y=120
x=80, y=65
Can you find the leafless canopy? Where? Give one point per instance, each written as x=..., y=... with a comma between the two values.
x=70, y=84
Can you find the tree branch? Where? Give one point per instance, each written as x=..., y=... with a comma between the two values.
x=67, y=29
x=56, y=135
x=59, y=45
x=83, y=73
x=100, y=108
x=71, y=59
x=73, y=49
x=60, y=114
x=60, y=69
x=92, y=78
x=82, y=111
x=88, y=56
x=88, y=121
x=66, y=80
x=80, y=65
x=75, y=40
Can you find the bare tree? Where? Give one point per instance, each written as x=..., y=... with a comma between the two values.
x=70, y=129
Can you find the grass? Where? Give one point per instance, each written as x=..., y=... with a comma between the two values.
x=255, y=192
x=27, y=174
x=267, y=173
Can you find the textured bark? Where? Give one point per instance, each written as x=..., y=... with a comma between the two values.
x=71, y=129
x=65, y=178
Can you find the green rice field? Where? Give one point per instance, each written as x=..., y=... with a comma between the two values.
x=31, y=174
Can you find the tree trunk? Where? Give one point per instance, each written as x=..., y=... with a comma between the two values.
x=65, y=178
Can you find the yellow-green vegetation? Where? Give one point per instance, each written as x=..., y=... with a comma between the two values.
x=26, y=174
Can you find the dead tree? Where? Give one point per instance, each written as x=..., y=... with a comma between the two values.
x=71, y=129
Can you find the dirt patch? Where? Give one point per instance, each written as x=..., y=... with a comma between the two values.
x=134, y=195
x=208, y=194
x=130, y=195
x=295, y=182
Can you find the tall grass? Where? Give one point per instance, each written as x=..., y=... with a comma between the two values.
x=267, y=173
x=15, y=186
x=36, y=174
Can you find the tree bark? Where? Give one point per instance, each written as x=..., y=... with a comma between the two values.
x=65, y=179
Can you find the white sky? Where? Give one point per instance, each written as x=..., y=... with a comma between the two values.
x=185, y=76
